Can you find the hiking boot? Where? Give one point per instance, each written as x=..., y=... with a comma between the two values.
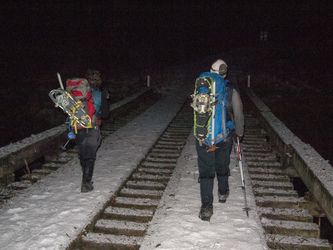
x=87, y=169
x=223, y=197
x=206, y=212
x=87, y=187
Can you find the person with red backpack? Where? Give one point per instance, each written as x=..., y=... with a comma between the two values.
x=87, y=92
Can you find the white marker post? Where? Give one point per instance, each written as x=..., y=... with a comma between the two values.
x=148, y=81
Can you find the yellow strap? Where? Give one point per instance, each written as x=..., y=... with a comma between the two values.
x=73, y=124
x=75, y=120
x=75, y=127
x=78, y=104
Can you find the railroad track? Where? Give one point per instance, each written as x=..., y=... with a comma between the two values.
x=286, y=217
x=124, y=221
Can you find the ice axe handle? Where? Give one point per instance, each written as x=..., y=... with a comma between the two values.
x=60, y=81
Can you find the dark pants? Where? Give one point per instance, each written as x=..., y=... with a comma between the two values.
x=88, y=141
x=211, y=163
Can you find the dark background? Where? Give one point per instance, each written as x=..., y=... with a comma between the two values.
x=132, y=38
x=41, y=37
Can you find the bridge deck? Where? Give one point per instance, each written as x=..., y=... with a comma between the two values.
x=53, y=212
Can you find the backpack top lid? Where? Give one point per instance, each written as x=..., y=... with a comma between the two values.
x=72, y=82
x=220, y=81
x=78, y=86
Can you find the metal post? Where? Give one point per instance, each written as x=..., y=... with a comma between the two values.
x=248, y=81
x=148, y=81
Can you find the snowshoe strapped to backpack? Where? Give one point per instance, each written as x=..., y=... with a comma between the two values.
x=209, y=98
x=202, y=105
x=77, y=102
x=80, y=90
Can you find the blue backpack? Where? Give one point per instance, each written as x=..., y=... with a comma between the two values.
x=209, y=104
x=100, y=102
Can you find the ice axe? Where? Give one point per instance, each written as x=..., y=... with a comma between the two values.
x=63, y=148
x=71, y=136
x=60, y=81
x=239, y=155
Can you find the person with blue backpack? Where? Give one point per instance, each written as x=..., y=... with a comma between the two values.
x=218, y=116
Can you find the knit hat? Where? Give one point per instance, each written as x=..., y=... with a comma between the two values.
x=220, y=67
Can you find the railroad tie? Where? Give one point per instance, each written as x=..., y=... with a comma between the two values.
x=124, y=222
x=284, y=215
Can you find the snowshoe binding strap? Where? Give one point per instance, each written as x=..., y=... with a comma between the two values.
x=74, y=109
x=201, y=103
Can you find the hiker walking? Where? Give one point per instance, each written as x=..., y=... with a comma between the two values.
x=100, y=95
x=214, y=150
x=88, y=139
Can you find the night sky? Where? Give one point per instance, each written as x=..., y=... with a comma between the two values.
x=42, y=37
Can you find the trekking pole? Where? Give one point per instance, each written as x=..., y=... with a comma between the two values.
x=239, y=154
x=70, y=135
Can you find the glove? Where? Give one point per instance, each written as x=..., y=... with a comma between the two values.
x=240, y=138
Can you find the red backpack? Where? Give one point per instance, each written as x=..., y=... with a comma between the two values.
x=80, y=90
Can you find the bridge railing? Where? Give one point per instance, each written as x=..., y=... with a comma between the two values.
x=315, y=172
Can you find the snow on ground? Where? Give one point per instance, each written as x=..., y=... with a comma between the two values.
x=51, y=213
x=176, y=224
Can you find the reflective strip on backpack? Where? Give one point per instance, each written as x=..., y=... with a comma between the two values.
x=224, y=118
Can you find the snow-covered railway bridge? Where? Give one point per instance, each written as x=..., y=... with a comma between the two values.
x=146, y=192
